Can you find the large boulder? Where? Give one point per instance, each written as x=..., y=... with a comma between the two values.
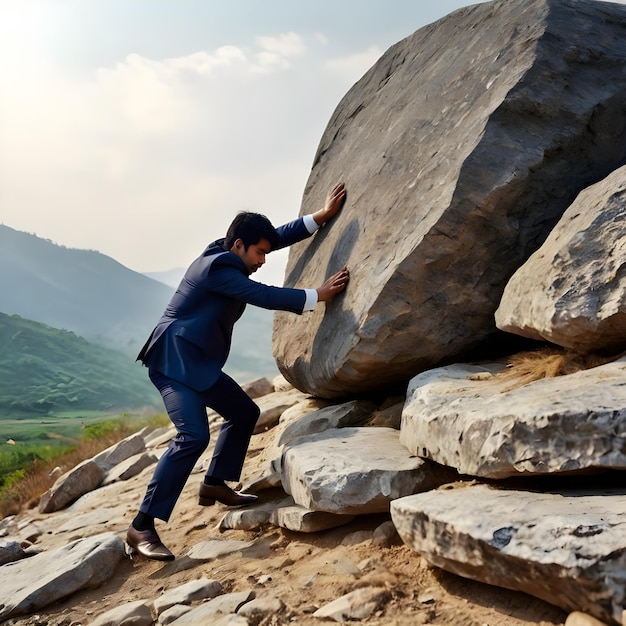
x=572, y=291
x=461, y=148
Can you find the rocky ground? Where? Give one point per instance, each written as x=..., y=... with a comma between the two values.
x=305, y=571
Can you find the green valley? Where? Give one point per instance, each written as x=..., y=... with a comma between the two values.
x=45, y=371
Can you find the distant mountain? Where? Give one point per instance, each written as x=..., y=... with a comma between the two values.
x=46, y=370
x=79, y=290
x=168, y=277
x=97, y=298
x=251, y=350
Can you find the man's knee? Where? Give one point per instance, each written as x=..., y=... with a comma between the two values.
x=253, y=413
x=193, y=442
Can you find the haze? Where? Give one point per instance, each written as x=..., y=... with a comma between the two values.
x=139, y=128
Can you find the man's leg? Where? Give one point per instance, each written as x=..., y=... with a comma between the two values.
x=187, y=411
x=240, y=415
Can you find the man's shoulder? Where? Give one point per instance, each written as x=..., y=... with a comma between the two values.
x=227, y=259
x=221, y=266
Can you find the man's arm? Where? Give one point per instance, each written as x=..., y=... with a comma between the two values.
x=229, y=280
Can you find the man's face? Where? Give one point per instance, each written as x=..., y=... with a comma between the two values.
x=254, y=256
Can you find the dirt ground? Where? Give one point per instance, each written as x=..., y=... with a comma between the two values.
x=306, y=571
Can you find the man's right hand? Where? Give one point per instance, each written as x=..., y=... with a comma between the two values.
x=334, y=285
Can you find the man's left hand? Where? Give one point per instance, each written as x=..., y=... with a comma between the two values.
x=334, y=202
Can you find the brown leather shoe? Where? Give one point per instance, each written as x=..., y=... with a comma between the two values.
x=148, y=544
x=224, y=494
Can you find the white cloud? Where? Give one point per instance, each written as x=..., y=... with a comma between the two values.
x=205, y=63
x=155, y=156
x=286, y=45
x=322, y=38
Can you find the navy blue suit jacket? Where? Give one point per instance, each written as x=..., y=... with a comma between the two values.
x=191, y=341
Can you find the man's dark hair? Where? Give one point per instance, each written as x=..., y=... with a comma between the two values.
x=250, y=228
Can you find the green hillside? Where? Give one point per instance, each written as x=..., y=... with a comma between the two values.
x=80, y=290
x=108, y=304
x=44, y=371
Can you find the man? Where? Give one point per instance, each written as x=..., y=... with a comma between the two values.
x=188, y=348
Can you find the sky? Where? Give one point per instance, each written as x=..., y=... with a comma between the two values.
x=139, y=128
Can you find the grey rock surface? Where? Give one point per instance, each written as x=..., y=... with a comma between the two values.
x=262, y=608
x=11, y=551
x=221, y=607
x=351, y=413
x=82, y=564
x=572, y=291
x=70, y=486
x=130, y=614
x=120, y=451
x=130, y=467
x=252, y=517
x=356, y=605
x=457, y=417
x=460, y=149
x=194, y=590
x=273, y=405
x=567, y=547
x=354, y=471
x=259, y=387
x=302, y=520
x=214, y=548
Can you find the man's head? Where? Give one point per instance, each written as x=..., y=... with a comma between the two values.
x=251, y=236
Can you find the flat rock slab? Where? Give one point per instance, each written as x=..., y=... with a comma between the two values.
x=82, y=564
x=214, y=548
x=301, y=520
x=118, y=452
x=219, y=610
x=273, y=405
x=193, y=591
x=130, y=467
x=251, y=517
x=464, y=417
x=353, y=471
x=313, y=421
x=135, y=613
x=568, y=547
x=80, y=480
x=356, y=605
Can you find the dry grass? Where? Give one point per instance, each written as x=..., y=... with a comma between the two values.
x=25, y=493
x=527, y=367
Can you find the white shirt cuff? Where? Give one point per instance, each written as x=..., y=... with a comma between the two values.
x=311, y=299
x=310, y=223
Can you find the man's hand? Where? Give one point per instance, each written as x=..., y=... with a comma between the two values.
x=334, y=201
x=334, y=285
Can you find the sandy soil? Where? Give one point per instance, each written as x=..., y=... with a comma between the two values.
x=306, y=571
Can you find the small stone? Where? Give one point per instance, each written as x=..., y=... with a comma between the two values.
x=360, y=536
x=357, y=605
x=578, y=618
